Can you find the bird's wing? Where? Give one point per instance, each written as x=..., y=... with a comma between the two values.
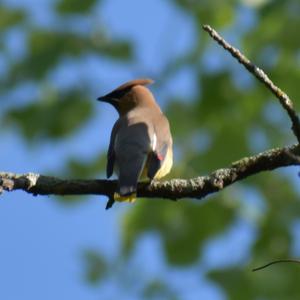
x=155, y=162
x=161, y=158
x=131, y=148
x=111, y=152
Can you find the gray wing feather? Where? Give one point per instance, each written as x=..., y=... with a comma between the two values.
x=111, y=153
x=131, y=148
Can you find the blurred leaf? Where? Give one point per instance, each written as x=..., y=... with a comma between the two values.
x=222, y=102
x=96, y=267
x=229, y=279
x=180, y=224
x=9, y=17
x=277, y=283
x=217, y=12
x=52, y=118
x=85, y=169
x=275, y=238
x=157, y=289
x=74, y=6
x=46, y=48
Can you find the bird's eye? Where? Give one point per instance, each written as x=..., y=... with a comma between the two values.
x=117, y=94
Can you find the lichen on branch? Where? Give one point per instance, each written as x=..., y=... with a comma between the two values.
x=173, y=189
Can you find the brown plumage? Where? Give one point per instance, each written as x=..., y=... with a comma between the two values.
x=141, y=142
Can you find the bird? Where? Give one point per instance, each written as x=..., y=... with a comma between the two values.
x=141, y=145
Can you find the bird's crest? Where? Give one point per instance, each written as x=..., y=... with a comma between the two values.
x=132, y=83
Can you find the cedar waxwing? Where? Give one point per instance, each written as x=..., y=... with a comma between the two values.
x=141, y=142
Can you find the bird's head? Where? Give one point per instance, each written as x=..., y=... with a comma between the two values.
x=129, y=95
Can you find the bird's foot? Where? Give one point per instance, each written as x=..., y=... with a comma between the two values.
x=128, y=198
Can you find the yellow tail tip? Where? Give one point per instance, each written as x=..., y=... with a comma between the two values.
x=130, y=198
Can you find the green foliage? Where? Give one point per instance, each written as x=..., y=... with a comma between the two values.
x=157, y=289
x=86, y=169
x=47, y=48
x=74, y=6
x=96, y=266
x=55, y=117
x=179, y=225
x=9, y=18
x=278, y=283
x=217, y=12
x=275, y=238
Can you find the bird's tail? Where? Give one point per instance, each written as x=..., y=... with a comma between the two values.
x=130, y=171
x=126, y=193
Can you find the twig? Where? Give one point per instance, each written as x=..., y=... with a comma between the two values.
x=284, y=99
x=276, y=262
x=173, y=189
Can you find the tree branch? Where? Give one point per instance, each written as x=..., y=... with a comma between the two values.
x=283, y=98
x=173, y=189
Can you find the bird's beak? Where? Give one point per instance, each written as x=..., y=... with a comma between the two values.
x=107, y=99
